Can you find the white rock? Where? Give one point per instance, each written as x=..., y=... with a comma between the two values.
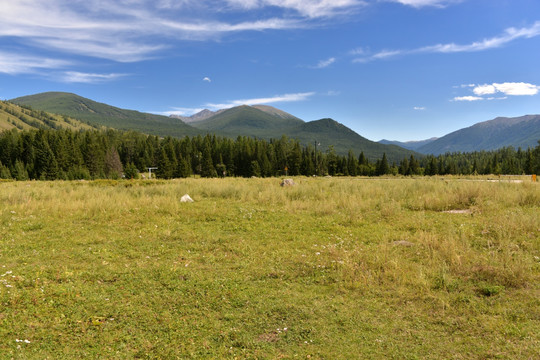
x=186, y=198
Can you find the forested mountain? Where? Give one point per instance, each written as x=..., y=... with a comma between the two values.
x=105, y=115
x=248, y=121
x=518, y=132
x=14, y=116
x=328, y=132
x=411, y=145
x=258, y=121
x=269, y=123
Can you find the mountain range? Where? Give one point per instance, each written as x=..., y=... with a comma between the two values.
x=523, y=131
x=411, y=145
x=266, y=122
x=258, y=121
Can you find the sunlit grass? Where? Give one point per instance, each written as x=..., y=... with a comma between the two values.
x=330, y=268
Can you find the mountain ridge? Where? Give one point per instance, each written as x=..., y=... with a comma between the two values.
x=522, y=131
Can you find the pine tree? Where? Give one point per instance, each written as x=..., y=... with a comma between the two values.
x=383, y=168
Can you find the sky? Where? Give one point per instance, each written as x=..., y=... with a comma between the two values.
x=393, y=69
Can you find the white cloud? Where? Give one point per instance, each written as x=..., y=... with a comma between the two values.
x=257, y=101
x=324, y=63
x=507, y=88
x=13, y=64
x=385, y=54
x=517, y=89
x=180, y=111
x=134, y=30
x=88, y=78
x=509, y=35
x=310, y=8
x=484, y=90
x=422, y=3
x=468, y=98
x=207, y=79
x=420, y=108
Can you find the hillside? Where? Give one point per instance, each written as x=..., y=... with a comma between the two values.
x=328, y=132
x=411, y=145
x=523, y=131
x=267, y=122
x=260, y=121
x=248, y=120
x=106, y=115
x=13, y=116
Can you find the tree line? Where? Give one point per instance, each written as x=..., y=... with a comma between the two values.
x=70, y=155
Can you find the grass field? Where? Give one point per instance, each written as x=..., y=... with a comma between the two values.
x=336, y=268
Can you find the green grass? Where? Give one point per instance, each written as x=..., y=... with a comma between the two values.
x=335, y=268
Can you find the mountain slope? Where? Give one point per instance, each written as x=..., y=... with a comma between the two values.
x=260, y=121
x=249, y=120
x=267, y=122
x=106, y=115
x=523, y=131
x=411, y=145
x=13, y=116
x=328, y=132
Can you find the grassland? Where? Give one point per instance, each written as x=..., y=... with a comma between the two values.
x=335, y=268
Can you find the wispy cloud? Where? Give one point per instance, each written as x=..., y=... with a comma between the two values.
x=14, y=64
x=88, y=78
x=255, y=101
x=468, y=98
x=324, y=63
x=179, y=111
x=509, y=35
x=310, y=9
x=423, y=3
x=419, y=108
x=134, y=30
x=207, y=79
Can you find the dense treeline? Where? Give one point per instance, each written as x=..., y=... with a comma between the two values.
x=65, y=154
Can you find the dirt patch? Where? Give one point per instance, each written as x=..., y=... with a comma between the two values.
x=269, y=337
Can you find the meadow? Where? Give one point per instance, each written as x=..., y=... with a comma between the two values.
x=332, y=268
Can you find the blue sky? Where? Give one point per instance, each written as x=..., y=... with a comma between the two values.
x=394, y=69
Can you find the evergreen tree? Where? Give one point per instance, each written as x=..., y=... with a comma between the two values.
x=352, y=164
x=207, y=166
x=19, y=171
x=383, y=168
x=131, y=171
x=165, y=169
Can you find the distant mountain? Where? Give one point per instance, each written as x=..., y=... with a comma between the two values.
x=411, y=145
x=267, y=122
x=521, y=132
x=13, y=116
x=106, y=115
x=328, y=132
x=200, y=116
x=259, y=121
x=250, y=121
x=276, y=112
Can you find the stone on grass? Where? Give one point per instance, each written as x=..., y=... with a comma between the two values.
x=287, y=182
x=403, y=243
x=186, y=198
